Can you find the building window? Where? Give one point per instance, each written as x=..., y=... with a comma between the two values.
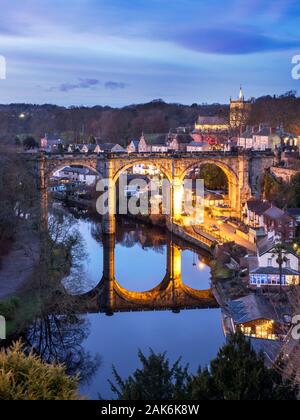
x=288, y=264
x=270, y=262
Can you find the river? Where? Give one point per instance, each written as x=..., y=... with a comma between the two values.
x=140, y=265
x=140, y=289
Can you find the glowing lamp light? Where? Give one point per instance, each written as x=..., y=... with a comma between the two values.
x=22, y=116
x=201, y=265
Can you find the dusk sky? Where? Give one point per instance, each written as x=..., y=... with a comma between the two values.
x=119, y=52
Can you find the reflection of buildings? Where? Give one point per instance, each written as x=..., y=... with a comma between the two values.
x=170, y=294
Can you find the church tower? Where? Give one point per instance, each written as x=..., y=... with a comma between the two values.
x=240, y=110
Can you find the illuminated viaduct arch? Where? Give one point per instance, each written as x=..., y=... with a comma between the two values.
x=232, y=177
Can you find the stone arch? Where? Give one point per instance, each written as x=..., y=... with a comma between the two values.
x=51, y=168
x=233, y=180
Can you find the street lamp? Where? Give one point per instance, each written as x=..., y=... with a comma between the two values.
x=201, y=265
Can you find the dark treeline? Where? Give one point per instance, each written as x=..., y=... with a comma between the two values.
x=122, y=124
x=278, y=110
x=105, y=123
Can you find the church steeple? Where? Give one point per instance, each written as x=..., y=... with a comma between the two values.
x=241, y=95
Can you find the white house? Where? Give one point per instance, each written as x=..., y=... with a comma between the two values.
x=159, y=148
x=111, y=148
x=262, y=139
x=268, y=271
x=266, y=138
x=77, y=174
x=138, y=146
x=98, y=149
x=245, y=141
x=254, y=211
x=196, y=146
x=85, y=149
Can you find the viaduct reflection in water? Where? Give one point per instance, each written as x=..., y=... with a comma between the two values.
x=170, y=294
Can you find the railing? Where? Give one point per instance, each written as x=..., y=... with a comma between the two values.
x=205, y=237
x=170, y=154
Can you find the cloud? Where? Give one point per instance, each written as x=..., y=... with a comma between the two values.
x=231, y=41
x=82, y=84
x=115, y=85
x=87, y=84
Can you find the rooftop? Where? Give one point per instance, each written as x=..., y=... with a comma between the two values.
x=253, y=308
x=258, y=206
x=294, y=212
x=154, y=139
x=274, y=213
x=198, y=144
x=184, y=138
x=78, y=170
x=212, y=120
x=265, y=245
x=275, y=271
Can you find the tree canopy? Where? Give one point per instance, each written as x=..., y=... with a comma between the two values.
x=237, y=373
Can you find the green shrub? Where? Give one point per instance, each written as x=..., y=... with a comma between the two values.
x=29, y=378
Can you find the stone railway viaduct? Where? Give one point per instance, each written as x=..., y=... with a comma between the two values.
x=243, y=170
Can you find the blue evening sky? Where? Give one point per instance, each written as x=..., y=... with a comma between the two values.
x=118, y=52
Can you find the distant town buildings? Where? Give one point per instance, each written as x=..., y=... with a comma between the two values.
x=138, y=146
x=260, y=139
x=51, y=143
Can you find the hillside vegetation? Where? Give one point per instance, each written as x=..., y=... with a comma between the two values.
x=122, y=124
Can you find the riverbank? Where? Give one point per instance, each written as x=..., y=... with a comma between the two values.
x=17, y=266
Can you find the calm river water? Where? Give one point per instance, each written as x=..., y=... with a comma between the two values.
x=140, y=265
